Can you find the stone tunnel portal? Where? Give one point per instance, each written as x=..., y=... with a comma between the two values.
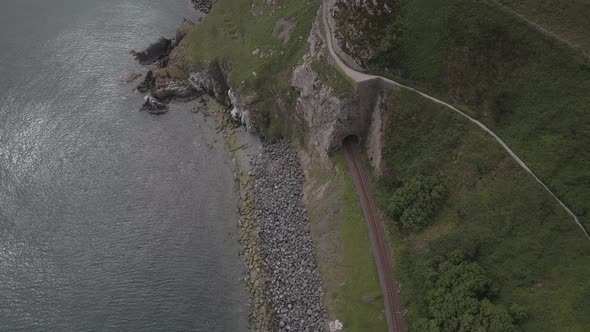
x=351, y=139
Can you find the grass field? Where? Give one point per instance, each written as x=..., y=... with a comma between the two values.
x=528, y=246
x=262, y=43
x=349, y=275
x=567, y=19
x=233, y=33
x=531, y=90
x=341, y=85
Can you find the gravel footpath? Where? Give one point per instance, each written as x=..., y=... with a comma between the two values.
x=292, y=281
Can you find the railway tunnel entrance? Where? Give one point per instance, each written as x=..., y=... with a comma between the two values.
x=351, y=140
x=392, y=303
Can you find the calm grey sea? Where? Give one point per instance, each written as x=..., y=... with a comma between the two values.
x=110, y=218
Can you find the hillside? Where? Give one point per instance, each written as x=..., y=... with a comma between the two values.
x=495, y=213
x=477, y=243
x=261, y=41
x=566, y=19
x=529, y=88
x=458, y=206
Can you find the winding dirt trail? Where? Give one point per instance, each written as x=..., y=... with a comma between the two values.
x=381, y=252
x=360, y=77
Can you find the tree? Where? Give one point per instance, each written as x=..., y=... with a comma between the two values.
x=416, y=202
x=457, y=300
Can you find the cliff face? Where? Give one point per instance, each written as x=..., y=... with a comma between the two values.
x=328, y=118
x=174, y=77
x=328, y=114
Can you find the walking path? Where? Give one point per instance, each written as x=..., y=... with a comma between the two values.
x=360, y=77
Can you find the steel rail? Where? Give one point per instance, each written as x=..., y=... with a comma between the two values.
x=381, y=252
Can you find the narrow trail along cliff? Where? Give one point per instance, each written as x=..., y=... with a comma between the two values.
x=393, y=307
x=360, y=77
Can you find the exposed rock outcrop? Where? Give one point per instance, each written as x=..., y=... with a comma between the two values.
x=174, y=77
x=211, y=79
x=358, y=27
x=153, y=106
x=168, y=78
x=330, y=119
x=375, y=135
x=242, y=109
x=154, y=52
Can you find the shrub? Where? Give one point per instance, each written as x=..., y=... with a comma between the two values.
x=518, y=312
x=416, y=202
x=457, y=300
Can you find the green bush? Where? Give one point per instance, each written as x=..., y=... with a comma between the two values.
x=414, y=204
x=518, y=312
x=457, y=300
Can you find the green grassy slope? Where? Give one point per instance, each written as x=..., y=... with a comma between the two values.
x=531, y=90
x=342, y=86
x=360, y=270
x=527, y=244
x=232, y=32
x=348, y=271
x=567, y=19
x=241, y=33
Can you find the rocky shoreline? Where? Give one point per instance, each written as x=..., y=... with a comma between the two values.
x=172, y=77
x=283, y=278
x=293, y=285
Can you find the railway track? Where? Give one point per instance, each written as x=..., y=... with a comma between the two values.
x=394, y=312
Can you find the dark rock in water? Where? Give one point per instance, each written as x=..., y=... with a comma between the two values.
x=203, y=5
x=154, y=106
x=154, y=52
x=147, y=82
x=169, y=77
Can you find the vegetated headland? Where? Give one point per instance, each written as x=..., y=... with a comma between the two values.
x=476, y=242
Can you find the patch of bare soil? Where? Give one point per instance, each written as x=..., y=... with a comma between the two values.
x=283, y=29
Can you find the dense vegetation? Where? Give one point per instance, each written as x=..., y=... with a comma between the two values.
x=526, y=86
x=457, y=298
x=416, y=202
x=515, y=237
x=262, y=41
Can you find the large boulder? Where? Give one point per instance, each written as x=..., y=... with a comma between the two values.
x=154, y=52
